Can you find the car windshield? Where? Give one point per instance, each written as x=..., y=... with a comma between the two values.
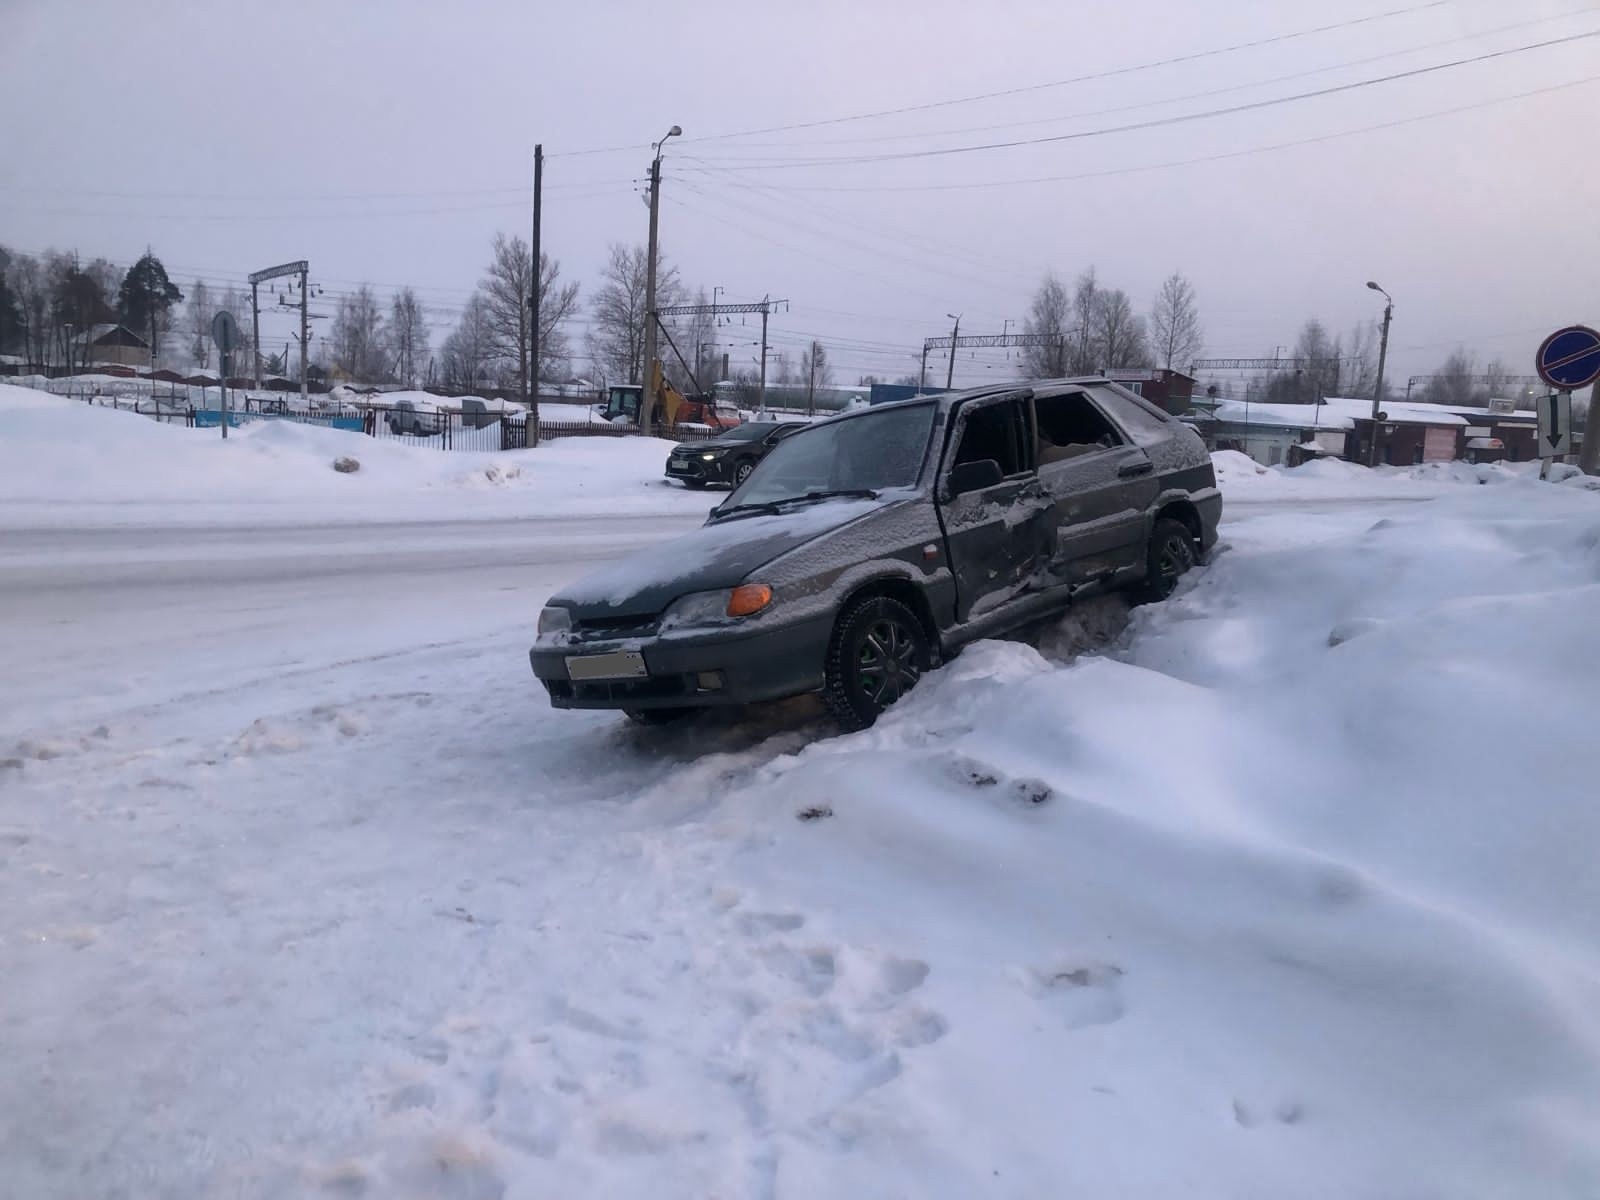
x=869, y=452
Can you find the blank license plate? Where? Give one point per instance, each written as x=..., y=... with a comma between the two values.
x=622, y=664
x=680, y=463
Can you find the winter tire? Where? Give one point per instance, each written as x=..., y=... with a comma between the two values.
x=1171, y=555
x=742, y=472
x=878, y=653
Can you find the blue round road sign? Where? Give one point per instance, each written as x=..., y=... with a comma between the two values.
x=1570, y=358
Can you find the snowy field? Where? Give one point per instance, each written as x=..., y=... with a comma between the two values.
x=1283, y=888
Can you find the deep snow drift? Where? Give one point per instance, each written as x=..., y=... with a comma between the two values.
x=1282, y=889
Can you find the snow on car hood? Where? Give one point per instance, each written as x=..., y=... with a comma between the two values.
x=714, y=556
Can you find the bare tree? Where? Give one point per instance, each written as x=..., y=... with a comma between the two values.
x=815, y=371
x=557, y=303
x=197, y=314
x=1359, y=370
x=408, y=336
x=1175, y=335
x=1452, y=382
x=1083, y=351
x=1118, y=331
x=358, y=342
x=616, y=342
x=507, y=289
x=1322, y=370
x=1050, y=316
x=469, y=350
x=31, y=288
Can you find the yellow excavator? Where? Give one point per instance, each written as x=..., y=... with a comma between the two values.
x=672, y=407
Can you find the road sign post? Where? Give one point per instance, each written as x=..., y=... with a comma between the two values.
x=1568, y=359
x=225, y=333
x=1555, y=429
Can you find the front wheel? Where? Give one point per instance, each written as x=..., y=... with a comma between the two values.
x=878, y=653
x=1171, y=556
x=742, y=472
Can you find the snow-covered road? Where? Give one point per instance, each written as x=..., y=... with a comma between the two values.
x=1283, y=889
x=99, y=620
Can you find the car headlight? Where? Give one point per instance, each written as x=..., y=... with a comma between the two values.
x=710, y=455
x=717, y=608
x=554, y=620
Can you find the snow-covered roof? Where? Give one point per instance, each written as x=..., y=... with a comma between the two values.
x=1335, y=412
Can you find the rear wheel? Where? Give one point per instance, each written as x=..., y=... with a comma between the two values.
x=878, y=653
x=1171, y=555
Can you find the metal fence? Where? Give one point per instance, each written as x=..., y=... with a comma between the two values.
x=441, y=429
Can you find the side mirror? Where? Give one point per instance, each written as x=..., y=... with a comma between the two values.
x=974, y=477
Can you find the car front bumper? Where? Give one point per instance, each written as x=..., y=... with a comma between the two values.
x=1209, y=505
x=694, y=469
x=692, y=670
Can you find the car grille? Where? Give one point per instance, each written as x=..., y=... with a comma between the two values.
x=632, y=625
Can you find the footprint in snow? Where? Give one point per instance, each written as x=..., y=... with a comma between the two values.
x=1083, y=994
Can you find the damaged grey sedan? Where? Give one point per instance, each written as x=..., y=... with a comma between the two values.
x=867, y=549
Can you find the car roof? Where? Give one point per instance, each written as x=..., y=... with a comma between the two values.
x=952, y=399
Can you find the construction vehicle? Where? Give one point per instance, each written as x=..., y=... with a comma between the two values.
x=672, y=407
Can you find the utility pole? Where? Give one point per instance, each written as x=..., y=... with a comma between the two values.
x=922, y=375
x=811, y=387
x=255, y=329
x=950, y=375
x=647, y=401
x=305, y=337
x=533, y=299
x=1383, y=355
x=761, y=403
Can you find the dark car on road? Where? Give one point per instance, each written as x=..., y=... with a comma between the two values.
x=729, y=457
x=868, y=548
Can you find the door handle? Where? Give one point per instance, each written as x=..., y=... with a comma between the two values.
x=1134, y=469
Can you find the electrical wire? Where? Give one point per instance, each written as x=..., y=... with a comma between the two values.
x=1165, y=122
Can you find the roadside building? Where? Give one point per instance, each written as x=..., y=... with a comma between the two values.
x=114, y=345
x=1170, y=390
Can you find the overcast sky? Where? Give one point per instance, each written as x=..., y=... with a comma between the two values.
x=388, y=142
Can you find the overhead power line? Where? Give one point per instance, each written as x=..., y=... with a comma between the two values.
x=1112, y=73
x=1194, y=56
x=1223, y=156
x=1475, y=35
x=1162, y=122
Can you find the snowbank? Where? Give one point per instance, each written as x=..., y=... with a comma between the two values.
x=1241, y=478
x=1235, y=911
x=63, y=461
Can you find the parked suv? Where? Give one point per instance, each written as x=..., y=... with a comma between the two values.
x=868, y=548
x=729, y=457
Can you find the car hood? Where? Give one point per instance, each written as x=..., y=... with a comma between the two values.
x=711, y=558
x=705, y=444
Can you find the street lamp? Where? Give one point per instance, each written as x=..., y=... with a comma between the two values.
x=1383, y=354
x=647, y=399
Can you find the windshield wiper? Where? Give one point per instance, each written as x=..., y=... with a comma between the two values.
x=839, y=493
x=775, y=507
x=770, y=507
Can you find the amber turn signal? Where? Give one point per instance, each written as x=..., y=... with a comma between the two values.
x=748, y=599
